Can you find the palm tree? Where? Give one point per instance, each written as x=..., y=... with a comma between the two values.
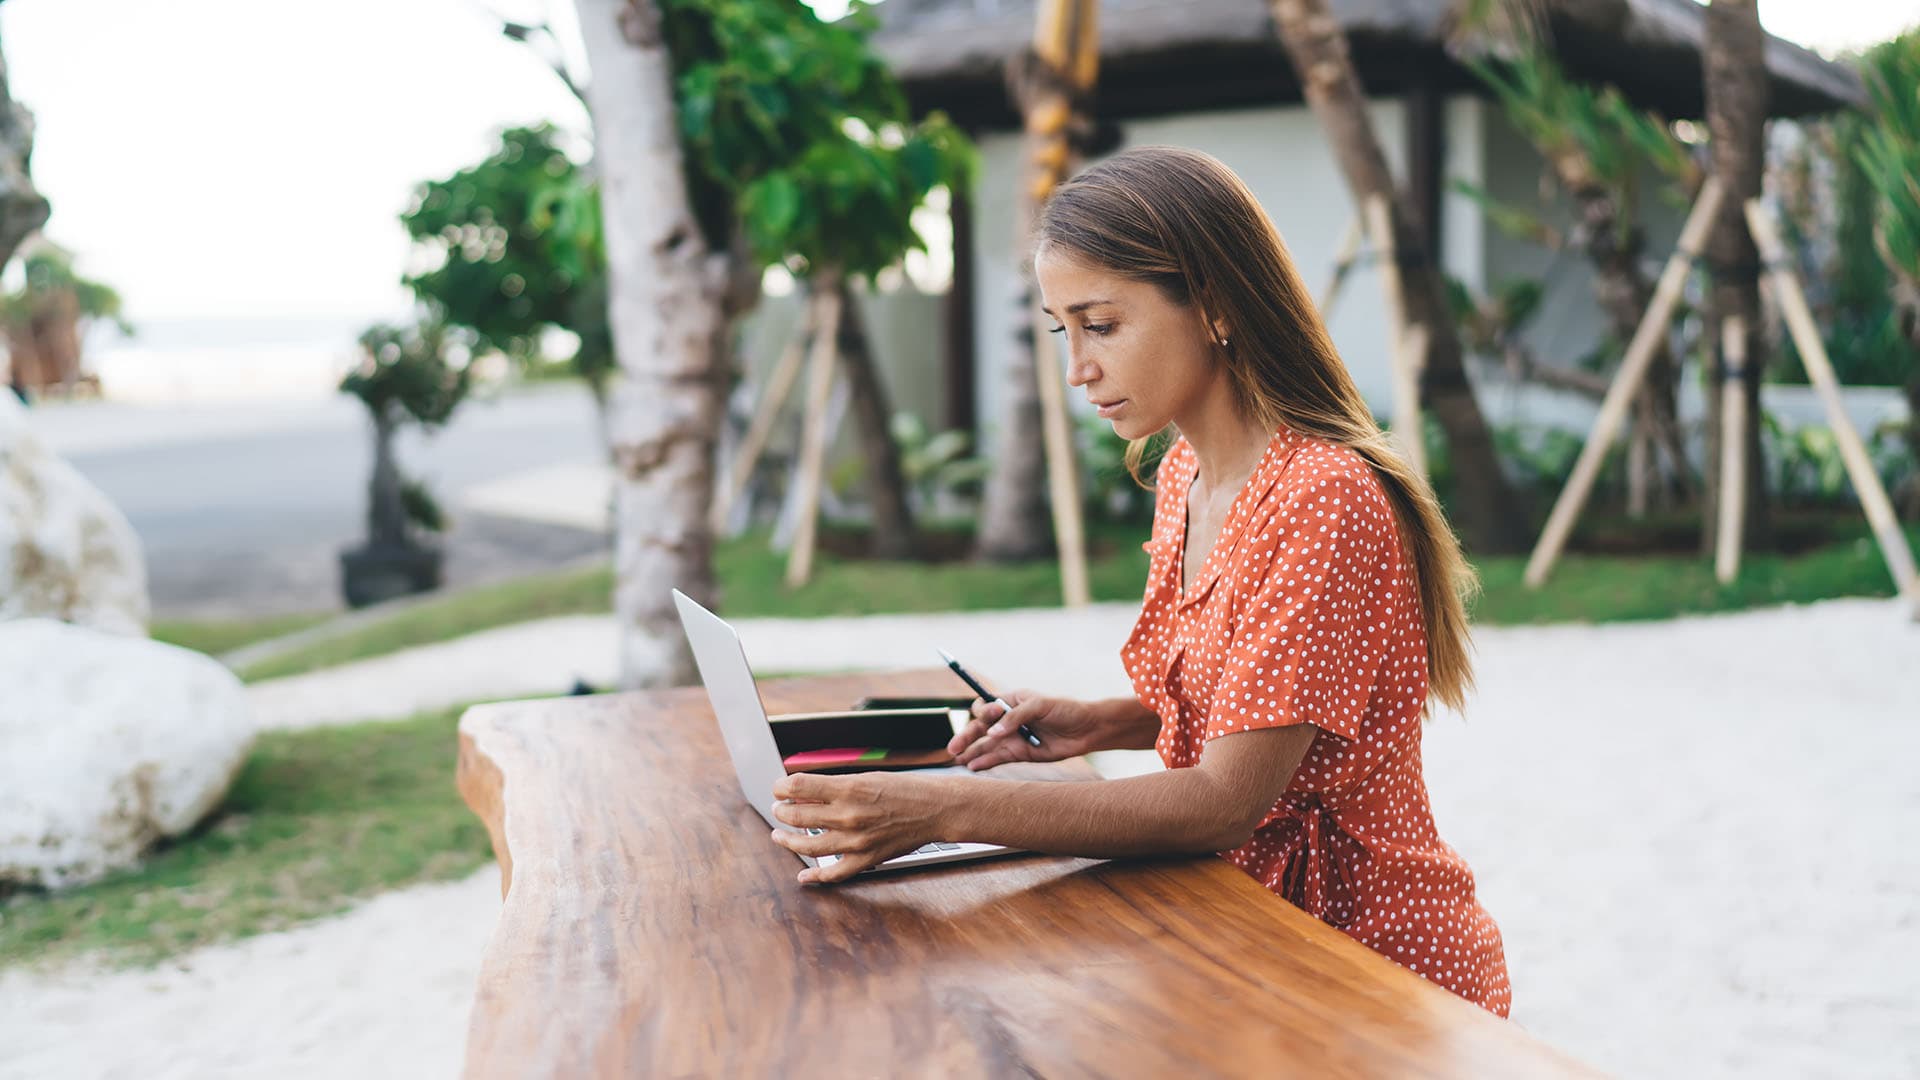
x=1595, y=142
x=1487, y=509
x=46, y=322
x=1736, y=89
x=668, y=292
x=1053, y=83
x=1889, y=156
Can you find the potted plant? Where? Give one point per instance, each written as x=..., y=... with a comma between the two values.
x=415, y=374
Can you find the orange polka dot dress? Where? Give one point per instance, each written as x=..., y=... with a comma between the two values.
x=1304, y=612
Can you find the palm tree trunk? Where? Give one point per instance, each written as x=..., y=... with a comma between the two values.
x=1014, y=523
x=1053, y=82
x=667, y=292
x=886, y=479
x=1487, y=509
x=1736, y=94
x=1623, y=292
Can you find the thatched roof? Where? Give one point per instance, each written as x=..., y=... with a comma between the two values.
x=1161, y=56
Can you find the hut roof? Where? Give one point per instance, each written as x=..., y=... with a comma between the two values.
x=1158, y=56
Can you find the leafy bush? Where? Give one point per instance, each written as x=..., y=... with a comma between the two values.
x=940, y=474
x=1109, y=491
x=1807, y=466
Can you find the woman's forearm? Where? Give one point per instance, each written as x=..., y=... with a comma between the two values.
x=1128, y=725
x=1179, y=811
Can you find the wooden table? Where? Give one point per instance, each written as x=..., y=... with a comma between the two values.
x=650, y=928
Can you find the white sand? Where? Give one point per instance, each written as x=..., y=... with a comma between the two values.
x=382, y=991
x=1698, y=837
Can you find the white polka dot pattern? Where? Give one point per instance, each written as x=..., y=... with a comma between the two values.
x=1305, y=612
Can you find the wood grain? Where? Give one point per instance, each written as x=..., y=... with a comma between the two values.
x=651, y=928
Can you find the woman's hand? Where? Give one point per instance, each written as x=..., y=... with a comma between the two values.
x=1066, y=728
x=867, y=819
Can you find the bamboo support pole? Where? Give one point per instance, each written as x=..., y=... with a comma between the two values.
x=1065, y=40
x=1853, y=449
x=1342, y=267
x=1626, y=382
x=1733, y=449
x=786, y=371
x=813, y=436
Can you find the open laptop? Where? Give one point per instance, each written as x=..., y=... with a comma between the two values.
x=749, y=736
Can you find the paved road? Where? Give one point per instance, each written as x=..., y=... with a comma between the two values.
x=243, y=508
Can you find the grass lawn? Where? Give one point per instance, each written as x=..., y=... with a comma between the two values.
x=1585, y=587
x=1614, y=588
x=214, y=637
x=469, y=610
x=315, y=820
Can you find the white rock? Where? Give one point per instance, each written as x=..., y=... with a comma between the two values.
x=107, y=744
x=66, y=552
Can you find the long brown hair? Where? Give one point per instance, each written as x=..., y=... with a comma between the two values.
x=1184, y=222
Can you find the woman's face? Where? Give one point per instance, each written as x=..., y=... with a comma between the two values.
x=1144, y=361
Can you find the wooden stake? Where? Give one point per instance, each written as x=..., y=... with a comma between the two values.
x=1342, y=266
x=1406, y=343
x=786, y=371
x=1063, y=486
x=1066, y=41
x=1626, y=382
x=1853, y=450
x=1733, y=449
x=813, y=435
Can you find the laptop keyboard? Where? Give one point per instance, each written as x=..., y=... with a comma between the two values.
x=923, y=850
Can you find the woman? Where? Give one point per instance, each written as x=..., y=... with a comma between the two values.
x=1303, y=602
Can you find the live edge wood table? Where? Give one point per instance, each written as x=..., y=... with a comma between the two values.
x=651, y=928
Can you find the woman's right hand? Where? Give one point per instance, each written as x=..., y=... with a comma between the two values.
x=1066, y=728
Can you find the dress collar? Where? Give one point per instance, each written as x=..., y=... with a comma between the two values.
x=1265, y=475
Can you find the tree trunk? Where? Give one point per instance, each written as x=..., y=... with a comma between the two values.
x=886, y=479
x=1014, y=522
x=1487, y=509
x=22, y=209
x=1910, y=497
x=386, y=512
x=1623, y=292
x=1736, y=95
x=666, y=311
x=1053, y=84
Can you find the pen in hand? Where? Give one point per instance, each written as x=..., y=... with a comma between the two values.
x=987, y=695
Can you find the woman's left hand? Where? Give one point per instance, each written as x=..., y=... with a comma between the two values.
x=868, y=818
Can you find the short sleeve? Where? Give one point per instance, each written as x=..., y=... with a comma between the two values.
x=1315, y=611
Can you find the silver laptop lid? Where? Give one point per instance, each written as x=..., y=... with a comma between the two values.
x=736, y=704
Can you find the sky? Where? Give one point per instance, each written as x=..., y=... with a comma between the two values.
x=247, y=159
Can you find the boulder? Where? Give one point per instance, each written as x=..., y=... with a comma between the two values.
x=107, y=744
x=65, y=552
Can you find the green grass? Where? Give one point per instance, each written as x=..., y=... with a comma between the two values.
x=752, y=580
x=216, y=636
x=1614, y=588
x=751, y=577
x=467, y=611
x=315, y=820
x=1596, y=588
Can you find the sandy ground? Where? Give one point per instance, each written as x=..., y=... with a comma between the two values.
x=1697, y=836
x=382, y=991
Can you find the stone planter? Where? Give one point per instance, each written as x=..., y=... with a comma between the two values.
x=373, y=573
